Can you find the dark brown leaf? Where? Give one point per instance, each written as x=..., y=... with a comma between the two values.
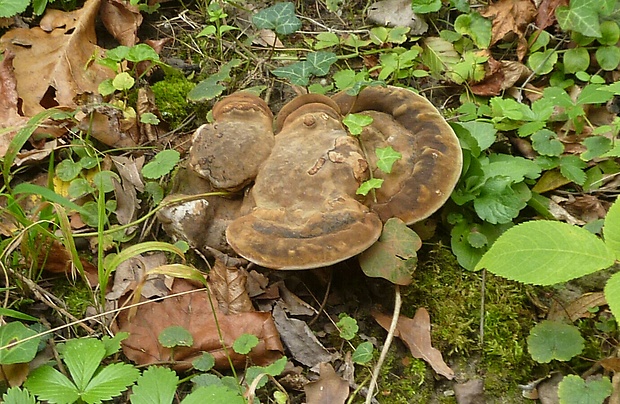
x=228, y=286
x=510, y=16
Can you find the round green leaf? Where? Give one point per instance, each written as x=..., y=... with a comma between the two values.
x=89, y=214
x=610, y=33
x=476, y=27
x=574, y=390
x=608, y=57
x=545, y=252
x=67, y=170
x=542, y=62
x=175, y=336
x=106, y=87
x=576, y=60
x=141, y=52
x=546, y=143
x=20, y=353
x=244, y=344
x=123, y=81
x=104, y=180
x=79, y=187
x=204, y=363
x=550, y=340
x=348, y=327
x=161, y=164
x=425, y=6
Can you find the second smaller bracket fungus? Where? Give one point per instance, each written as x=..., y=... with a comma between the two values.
x=229, y=151
x=306, y=214
x=423, y=179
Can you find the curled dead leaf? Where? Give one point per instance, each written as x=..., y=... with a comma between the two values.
x=329, y=388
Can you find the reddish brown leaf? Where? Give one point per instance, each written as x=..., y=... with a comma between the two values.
x=416, y=334
x=329, y=388
x=546, y=13
x=122, y=20
x=59, y=54
x=8, y=102
x=510, y=16
x=193, y=312
x=611, y=364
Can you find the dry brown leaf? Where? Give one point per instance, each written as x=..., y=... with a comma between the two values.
x=193, y=312
x=228, y=286
x=8, y=102
x=109, y=126
x=329, y=388
x=59, y=54
x=611, y=364
x=122, y=20
x=146, y=104
x=578, y=308
x=293, y=304
x=129, y=274
x=546, y=13
x=14, y=374
x=129, y=170
x=510, y=16
x=268, y=39
x=416, y=334
x=55, y=258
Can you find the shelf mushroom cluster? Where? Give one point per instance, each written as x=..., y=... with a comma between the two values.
x=299, y=208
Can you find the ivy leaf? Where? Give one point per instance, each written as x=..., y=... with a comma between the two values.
x=476, y=27
x=387, y=156
x=546, y=142
x=363, y=353
x=279, y=17
x=393, y=256
x=321, y=62
x=373, y=183
x=545, y=252
x=572, y=167
x=162, y=164
x=580, y=16
x=156, y=385
x=298, y=73
x=356, y=123
x=574, y=390
x=550, y=340
x=498, y=202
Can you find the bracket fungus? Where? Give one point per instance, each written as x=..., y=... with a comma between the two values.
x=229, y=151
x=423, y=179
x=306, y=214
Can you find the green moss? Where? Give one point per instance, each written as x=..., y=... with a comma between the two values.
x=76, y=295
x=171, y=98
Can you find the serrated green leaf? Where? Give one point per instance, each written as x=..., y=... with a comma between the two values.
x=439, y=55
x=546, y=142
x=49, y=384
x=476, y=27
x=608, y=57
x=113, y=344
x=572, y=168
x=156, y=385
x=393, y=256
x=162, y=164
x=367, y=186
x=593, y=94
x=484, y=133
x=15, y=395
x=550, y=340
x=545, y=253
x=9, y=8
x=21, y=353
x=513, y=167
x=363, y=353
x=574, y=390
x=141, y=52
x=110, y=382
x=611, y=230
x=612, y=293
x=244, y=344
x=279, y=17
x=387, y=156
x=580, y=16
x=214, y=394
x=175, y=336
x=326, y=40
x=67, y=170
x=82, y=357
x=499, y=202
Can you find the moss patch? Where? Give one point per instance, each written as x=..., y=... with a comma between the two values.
x=171, y=98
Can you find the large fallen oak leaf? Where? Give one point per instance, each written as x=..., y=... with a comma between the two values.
x=193, y=312
x=54, y=62
x=416, y=334
x=511, y=16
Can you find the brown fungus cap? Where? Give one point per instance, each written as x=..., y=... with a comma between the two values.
x=423, y=179
x=229, y=151
x=306, y=214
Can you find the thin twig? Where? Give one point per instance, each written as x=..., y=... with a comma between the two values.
x=386, y=345
x=482, y=293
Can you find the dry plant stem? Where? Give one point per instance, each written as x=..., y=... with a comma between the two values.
x=482, y=293
x=49, y=300
x=615, y=383
x=386, y=345
x=324, y=302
